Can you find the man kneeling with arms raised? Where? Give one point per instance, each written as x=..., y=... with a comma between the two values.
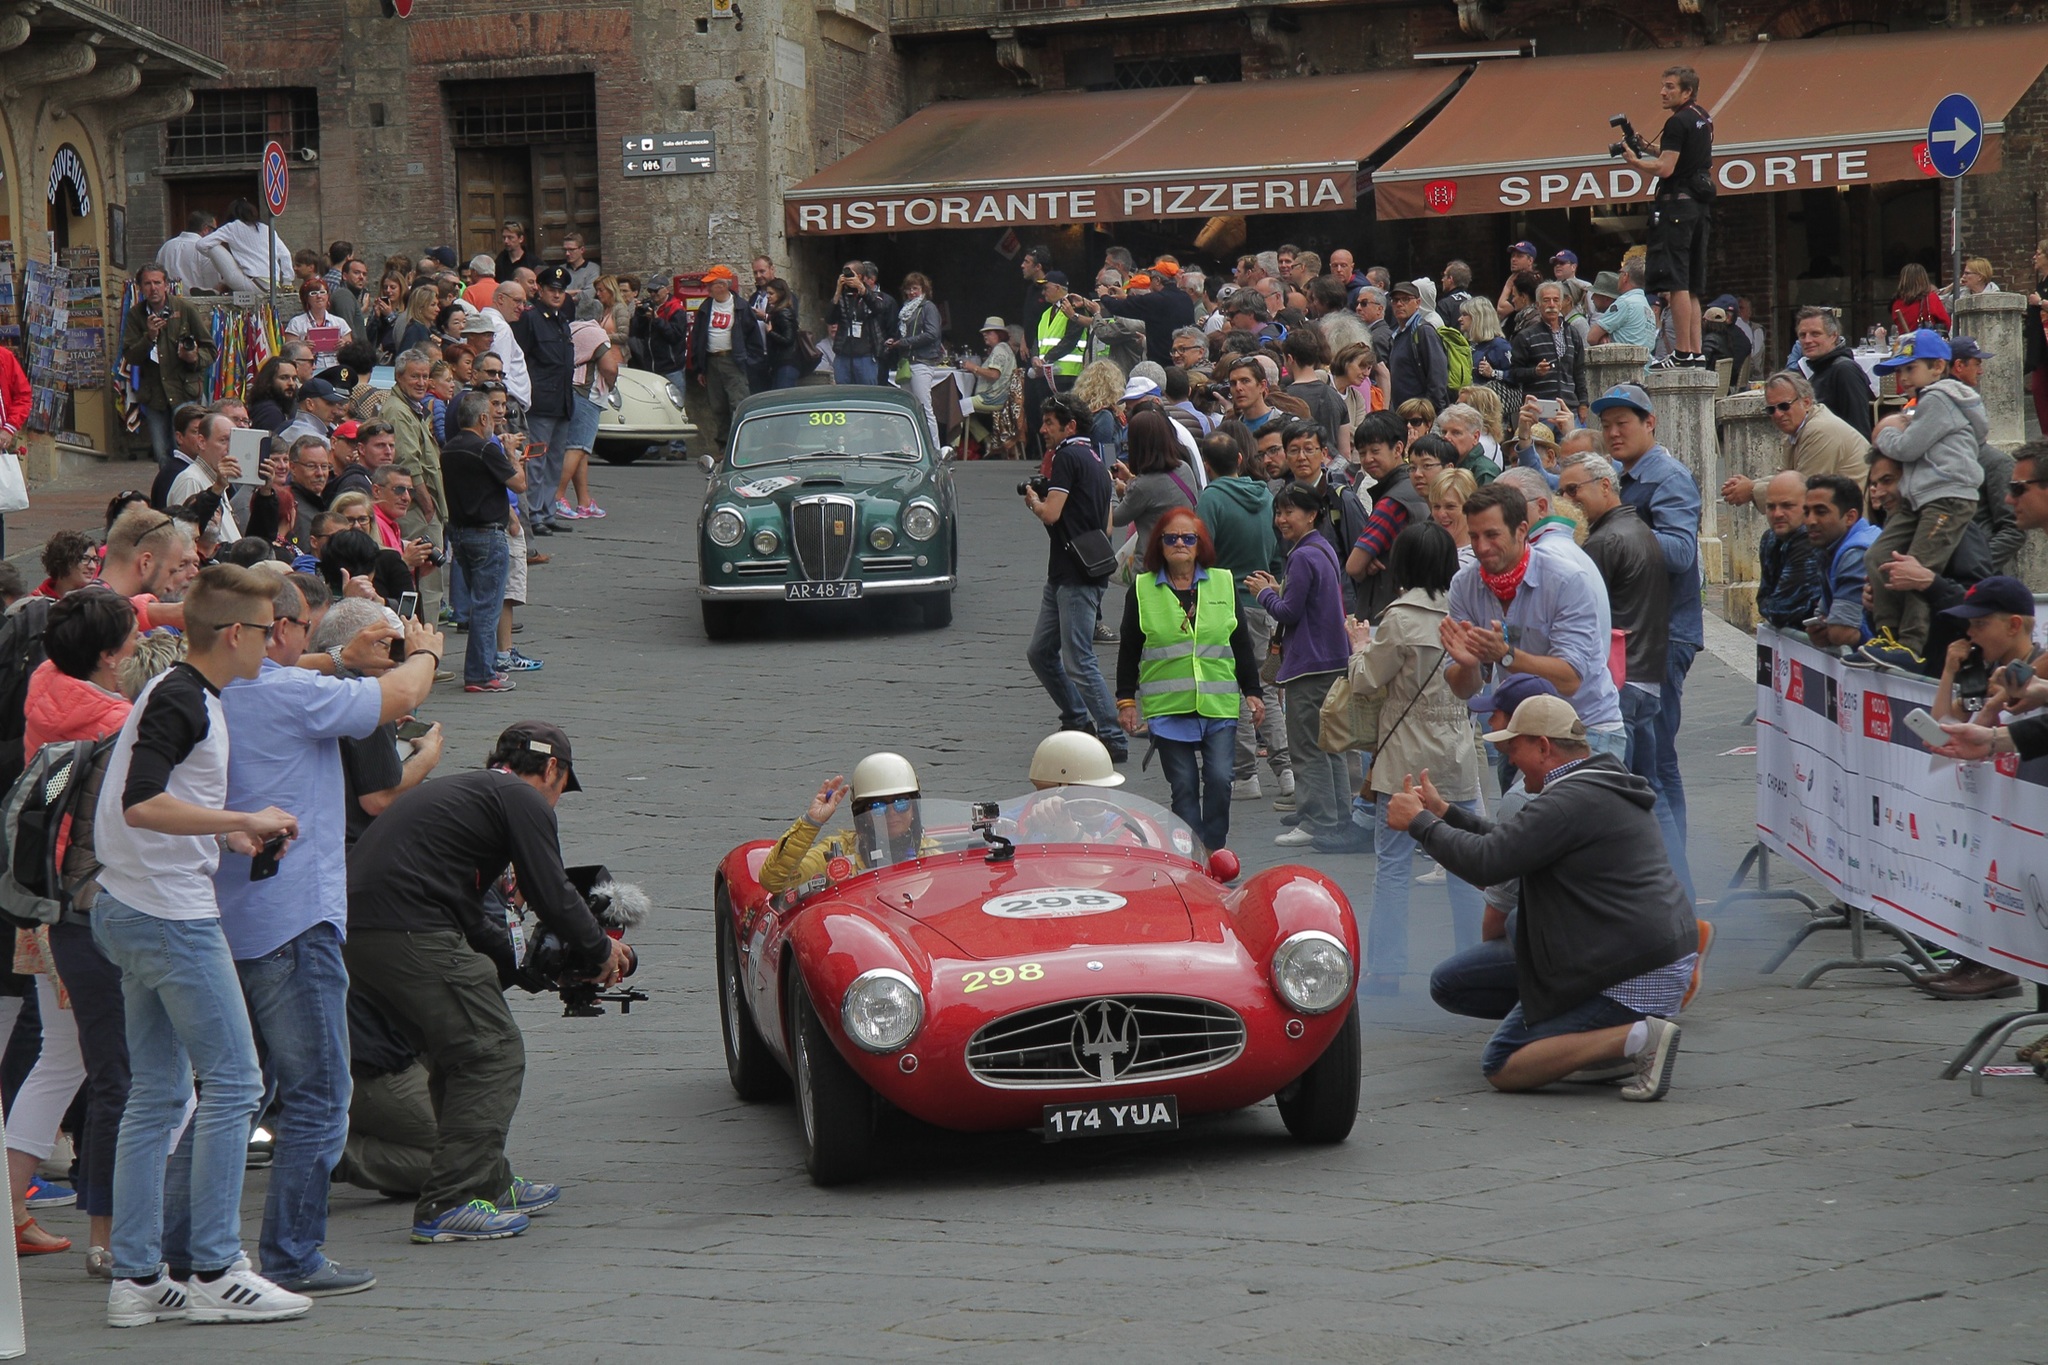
x=1605, y=941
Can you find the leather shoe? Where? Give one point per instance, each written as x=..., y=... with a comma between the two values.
x=540, y=529
x=1971, y=981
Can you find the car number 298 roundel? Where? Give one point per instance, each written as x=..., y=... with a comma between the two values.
x=1052, y=902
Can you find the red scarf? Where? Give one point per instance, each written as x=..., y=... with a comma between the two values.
x=1505, y=585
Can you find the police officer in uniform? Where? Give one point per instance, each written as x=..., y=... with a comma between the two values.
x=1684, y=167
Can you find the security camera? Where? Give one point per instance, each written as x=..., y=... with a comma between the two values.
x=307, y=154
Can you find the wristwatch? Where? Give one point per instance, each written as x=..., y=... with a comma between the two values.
x=1507, y=660
x=340, y=669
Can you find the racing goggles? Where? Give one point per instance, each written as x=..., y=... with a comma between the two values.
x=899, y=804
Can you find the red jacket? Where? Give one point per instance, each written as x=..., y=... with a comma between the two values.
x=14, y=392
x=61, y=707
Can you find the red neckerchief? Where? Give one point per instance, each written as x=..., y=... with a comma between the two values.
x=1505, y=585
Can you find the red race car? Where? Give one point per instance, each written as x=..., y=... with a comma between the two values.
x=1065, y=962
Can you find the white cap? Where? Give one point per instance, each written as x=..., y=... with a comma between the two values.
x=880, y=775
x=1074, y=758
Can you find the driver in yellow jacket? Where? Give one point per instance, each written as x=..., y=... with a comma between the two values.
x=887, y=827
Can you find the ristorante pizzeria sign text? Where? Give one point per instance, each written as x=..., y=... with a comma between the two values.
x=1008, y=206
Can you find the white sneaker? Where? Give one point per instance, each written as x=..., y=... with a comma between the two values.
x=1245, y=789
x=131, y=1303
x=241, y=1295
x=1653, y=1064
x=1287, y=781
x=1433, y=877
x=1294, y=838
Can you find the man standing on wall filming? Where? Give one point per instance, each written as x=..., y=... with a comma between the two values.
x=1681, y=208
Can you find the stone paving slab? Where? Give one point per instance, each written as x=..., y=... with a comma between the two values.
x=1809, y=1193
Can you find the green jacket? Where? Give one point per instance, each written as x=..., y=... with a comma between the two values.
x=418, y=454
x=1239, y=514
x=168, y=381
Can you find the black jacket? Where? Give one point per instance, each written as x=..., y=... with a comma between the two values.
x=1417, y=367
x=781, y=327
x=1625, y=550
x=1600, y=904
x=668, y=341
x=746, y=338
x=1842, y=387
x=1161, y=310
x=865, y=310
x=543, y=335
x=1567, y=378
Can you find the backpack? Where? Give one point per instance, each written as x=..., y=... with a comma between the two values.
x=1457, y=359
x=47, y=863
x=21, y=653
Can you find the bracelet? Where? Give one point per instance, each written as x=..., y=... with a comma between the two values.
x=430, y=654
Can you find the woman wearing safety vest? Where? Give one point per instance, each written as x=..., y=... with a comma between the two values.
x=1184, y=661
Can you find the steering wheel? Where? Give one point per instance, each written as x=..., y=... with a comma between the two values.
x=1075, y=806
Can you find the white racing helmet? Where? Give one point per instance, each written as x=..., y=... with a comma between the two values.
x=1074, y=758
x=880, y=775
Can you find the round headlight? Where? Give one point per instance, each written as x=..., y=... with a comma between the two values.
x=881, y=537
x=882, y=1011
x=765, y=541
x=1312, y=972
x=675, y=395
x=726, y=527
x=921, y=521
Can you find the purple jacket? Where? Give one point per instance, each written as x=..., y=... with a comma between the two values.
x=1311, y=605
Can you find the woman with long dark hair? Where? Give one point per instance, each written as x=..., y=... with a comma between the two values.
x=1159, y=480
x=1183, y=663
x=780, y=325
x=1917, y=305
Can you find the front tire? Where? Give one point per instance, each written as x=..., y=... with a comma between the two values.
x=755, y=1073
x=937, y=608
x=1322, y=1105
x=721, y=620
x=835, y=1104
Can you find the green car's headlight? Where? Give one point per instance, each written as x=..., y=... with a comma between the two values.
x=881, y=537
x=921, y=521
x=765, y=541
x=726, y=527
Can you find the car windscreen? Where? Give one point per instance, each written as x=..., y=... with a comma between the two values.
x=825, y=433
x=1067, y=815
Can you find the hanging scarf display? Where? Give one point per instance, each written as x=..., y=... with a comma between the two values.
x=1505, y=585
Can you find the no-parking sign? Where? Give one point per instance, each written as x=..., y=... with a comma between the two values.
x=277, y=178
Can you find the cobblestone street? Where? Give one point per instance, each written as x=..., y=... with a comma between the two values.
x=1809, y=1192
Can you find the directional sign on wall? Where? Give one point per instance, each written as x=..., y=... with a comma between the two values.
x=1955, y=134
x=670, y=154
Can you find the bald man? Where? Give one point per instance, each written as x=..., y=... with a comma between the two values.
x=1789, y=576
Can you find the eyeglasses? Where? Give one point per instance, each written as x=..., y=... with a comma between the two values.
x=1571, y=490
x=1188, y=538
x=263, y=626
x=492, y=374
x=359, y=521
x=1781, y=407
x=271, y=633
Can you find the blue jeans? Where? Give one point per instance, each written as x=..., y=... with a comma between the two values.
x=1478, y=982
x=1386, y=935
x=185, y=1014
x=1668, y=781
x=544, y=473
x=156, y=424
x=298, y=1006
x=853, y=369
x=1062, y=654
x=1613, y=742
x=1516, y=1033
x=1639, y=722
x=1198, y=775
x=485, y=557
x=784, y=377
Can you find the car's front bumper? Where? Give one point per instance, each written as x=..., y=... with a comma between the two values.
x=760, y=591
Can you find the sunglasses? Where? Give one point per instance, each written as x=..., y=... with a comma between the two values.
x=1571, y=490
x=2018, y=487
x=1781, y=407
x=899, y=804
x=1188, y=538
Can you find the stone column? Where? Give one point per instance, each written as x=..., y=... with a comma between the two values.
x=1995, y=322
x=1752, y=447
x=1684, y=400
x=1609, y=365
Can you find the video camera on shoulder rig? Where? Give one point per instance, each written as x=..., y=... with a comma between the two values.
x=544, y=958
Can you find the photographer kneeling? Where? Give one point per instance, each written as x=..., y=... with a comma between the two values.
x=422, y=949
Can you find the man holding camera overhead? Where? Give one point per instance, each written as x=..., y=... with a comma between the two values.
x=1682, y=206
x=423, y=950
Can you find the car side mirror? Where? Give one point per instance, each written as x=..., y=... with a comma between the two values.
x=945, y=453
x=1224, y=866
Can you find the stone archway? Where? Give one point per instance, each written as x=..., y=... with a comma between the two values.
x=1817, y=18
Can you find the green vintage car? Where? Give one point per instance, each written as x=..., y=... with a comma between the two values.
x=828, y=494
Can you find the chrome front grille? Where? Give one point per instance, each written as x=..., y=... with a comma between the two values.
x=887, y=563
x=762, y=568
x=822, y=531
x=1110, y=1040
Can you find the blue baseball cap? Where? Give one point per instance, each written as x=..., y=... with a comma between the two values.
x=1998, y=595
x=1624, y=396
x=1515, y=689
x=1523, y=249
x=1966, y=348
x=1568, y=257
x=1921, y=345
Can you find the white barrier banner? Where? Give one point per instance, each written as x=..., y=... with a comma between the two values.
x=1954, y=853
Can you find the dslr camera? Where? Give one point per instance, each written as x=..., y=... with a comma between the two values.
x=544, y=963
x=1038, y=484
x=1631, y=140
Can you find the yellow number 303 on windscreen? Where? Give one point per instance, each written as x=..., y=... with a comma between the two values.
x=828, y=419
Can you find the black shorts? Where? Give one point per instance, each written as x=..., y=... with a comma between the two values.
x=1678, y=248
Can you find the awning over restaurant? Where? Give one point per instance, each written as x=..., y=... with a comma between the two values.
x=1533, y=134
x=1082, y=157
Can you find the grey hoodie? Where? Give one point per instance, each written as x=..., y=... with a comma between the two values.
x=1600, y=904
x=1937, y=448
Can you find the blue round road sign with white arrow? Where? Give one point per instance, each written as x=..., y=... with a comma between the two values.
x=1955, y=134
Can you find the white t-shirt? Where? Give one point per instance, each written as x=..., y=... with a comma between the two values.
x=177, y=720
x=721, y=323
x=197, y=478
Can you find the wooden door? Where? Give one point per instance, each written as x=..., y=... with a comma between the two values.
x=491, y=185
x=565, y=198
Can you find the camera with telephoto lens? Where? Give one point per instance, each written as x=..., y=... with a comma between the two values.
x=544, y=964
x=1038, y=484
x=436, y=558
x=1631, y=140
